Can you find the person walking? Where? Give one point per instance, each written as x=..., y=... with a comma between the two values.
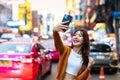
x=74, y=62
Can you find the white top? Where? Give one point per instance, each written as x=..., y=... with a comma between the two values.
x=74, y=63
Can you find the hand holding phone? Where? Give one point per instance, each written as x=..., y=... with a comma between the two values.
x=68, y=18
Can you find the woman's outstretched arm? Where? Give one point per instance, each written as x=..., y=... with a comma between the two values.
x=57, y=39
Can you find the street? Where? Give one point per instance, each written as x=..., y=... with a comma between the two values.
x=94, y=76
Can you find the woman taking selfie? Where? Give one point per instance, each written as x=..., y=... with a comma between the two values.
x=74, y=62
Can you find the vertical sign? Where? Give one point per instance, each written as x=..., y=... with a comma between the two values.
x=14, y=4
x=34, y=19
x=70, y=5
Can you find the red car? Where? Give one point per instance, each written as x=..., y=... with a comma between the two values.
x=54, y=55
x=23, y=61
x=49, y=45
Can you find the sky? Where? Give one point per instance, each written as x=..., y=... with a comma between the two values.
x=56, y=7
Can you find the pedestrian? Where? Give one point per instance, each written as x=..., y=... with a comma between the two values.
x=74, y=62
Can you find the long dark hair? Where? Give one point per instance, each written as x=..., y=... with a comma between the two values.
x=85, y=49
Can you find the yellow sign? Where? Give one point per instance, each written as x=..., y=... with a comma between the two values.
x=111, y=35
x=70, y=5
x=99, y=25
x=77, y=23
x=25, y=28
x=25, y=14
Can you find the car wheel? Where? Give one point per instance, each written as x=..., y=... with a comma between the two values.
x=49, y=72
x=39, y=76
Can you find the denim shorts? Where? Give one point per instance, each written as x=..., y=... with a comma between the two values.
x=69, y=77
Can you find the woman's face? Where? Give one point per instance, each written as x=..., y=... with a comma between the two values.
x=77, y=39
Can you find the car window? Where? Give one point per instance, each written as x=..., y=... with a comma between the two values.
x=100, y=48
x=8, y=36
x=15, y=48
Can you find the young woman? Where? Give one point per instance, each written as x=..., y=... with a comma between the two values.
x=74, y=62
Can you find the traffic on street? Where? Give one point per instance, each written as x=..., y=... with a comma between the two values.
x=59, y=39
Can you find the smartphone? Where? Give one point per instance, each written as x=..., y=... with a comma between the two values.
x=68, y=18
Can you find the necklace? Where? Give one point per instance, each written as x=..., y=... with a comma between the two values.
x=78, y=51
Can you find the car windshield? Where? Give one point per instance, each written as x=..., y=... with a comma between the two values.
x=100, y=48
x=15, y=48
x=7, y=36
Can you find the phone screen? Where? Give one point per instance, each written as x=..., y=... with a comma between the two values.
x=68, y=18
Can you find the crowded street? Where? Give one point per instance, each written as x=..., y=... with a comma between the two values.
x=59, y=39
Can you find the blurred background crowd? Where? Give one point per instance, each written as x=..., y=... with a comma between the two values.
x=28, y=17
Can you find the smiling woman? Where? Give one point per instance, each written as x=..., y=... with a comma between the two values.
x=79, y=52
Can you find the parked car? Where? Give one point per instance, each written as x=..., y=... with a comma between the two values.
x=23, y=61
x=54, y=55
x=3, y=40
x=49, y=45
x=8, y=36
x=104, y=57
